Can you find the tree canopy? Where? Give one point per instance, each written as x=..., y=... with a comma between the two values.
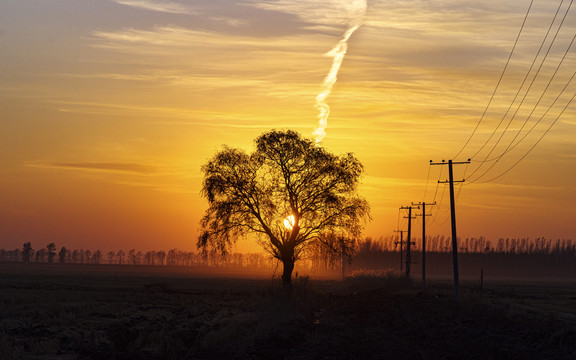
x=289, y=192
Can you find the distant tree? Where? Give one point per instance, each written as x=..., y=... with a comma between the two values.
x=120, y=257
x=17, y=255
x=50, y=252
x=161, y=257
x=87, y=256
x=149, y=258
x=26, y=252
x=171, y=257
x=62, y=255
x=97, y=257
x=111, y=257
x=290, y=193
x=132, y=256
x=333, y=251
x=237, y=260
x=41, y=255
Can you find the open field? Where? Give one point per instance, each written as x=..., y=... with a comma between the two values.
x=130, y=312
x=496, y=266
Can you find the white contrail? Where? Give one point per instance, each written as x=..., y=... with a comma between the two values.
x=357, y=10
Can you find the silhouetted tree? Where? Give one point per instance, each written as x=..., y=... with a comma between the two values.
x=97, y=257
x=149, y=258
x=41, y=255
x=111, y=257
x=26, y=252
x=290, y=192
x=161, y=257
x=120, y=256
x=50, y=252
x=132, y=256
x=62, y=255
x=172, y=257
x=330, y=252
x=16, y=255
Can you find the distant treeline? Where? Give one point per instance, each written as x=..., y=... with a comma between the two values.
x=508, y=259
x=441, y=244
x=321, y=260
x=369, y=254
x=174, y=257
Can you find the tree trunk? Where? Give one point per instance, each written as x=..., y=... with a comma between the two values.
x=287, y=274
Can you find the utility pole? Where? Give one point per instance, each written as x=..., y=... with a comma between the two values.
x=409, y=241
x=453, y=218
x=401, y=243
x=423, y=204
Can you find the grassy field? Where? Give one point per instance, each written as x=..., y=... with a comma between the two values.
x=130, y=312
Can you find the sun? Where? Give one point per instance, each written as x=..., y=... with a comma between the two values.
x=289, y=222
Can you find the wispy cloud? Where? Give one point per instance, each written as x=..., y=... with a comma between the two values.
x=326, y=13
x=230, y=21
x=160, y=6
x=96, y=166
x=175, y=178
x=182, y=37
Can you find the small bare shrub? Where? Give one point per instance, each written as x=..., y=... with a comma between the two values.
x=390, y=279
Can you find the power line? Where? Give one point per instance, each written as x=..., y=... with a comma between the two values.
x=534, y=126
x=511, y=146
x=533, y=146
x=426, y=188
x=524, y=81
x=462, y=183
x=521, y=86
x=496, y=159
x=439, y=208
x=499, y=80
x=437, y=184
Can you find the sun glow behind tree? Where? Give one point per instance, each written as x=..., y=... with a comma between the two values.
x=287, y=174
x=289, y=222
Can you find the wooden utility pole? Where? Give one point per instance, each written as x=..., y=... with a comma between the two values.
x=409, y=241
x=423, y=204
x=453, y=218
x=401, y=243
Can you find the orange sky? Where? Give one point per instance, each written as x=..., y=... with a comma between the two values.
x=109, y=109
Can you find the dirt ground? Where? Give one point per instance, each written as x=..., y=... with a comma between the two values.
x=125, y=312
